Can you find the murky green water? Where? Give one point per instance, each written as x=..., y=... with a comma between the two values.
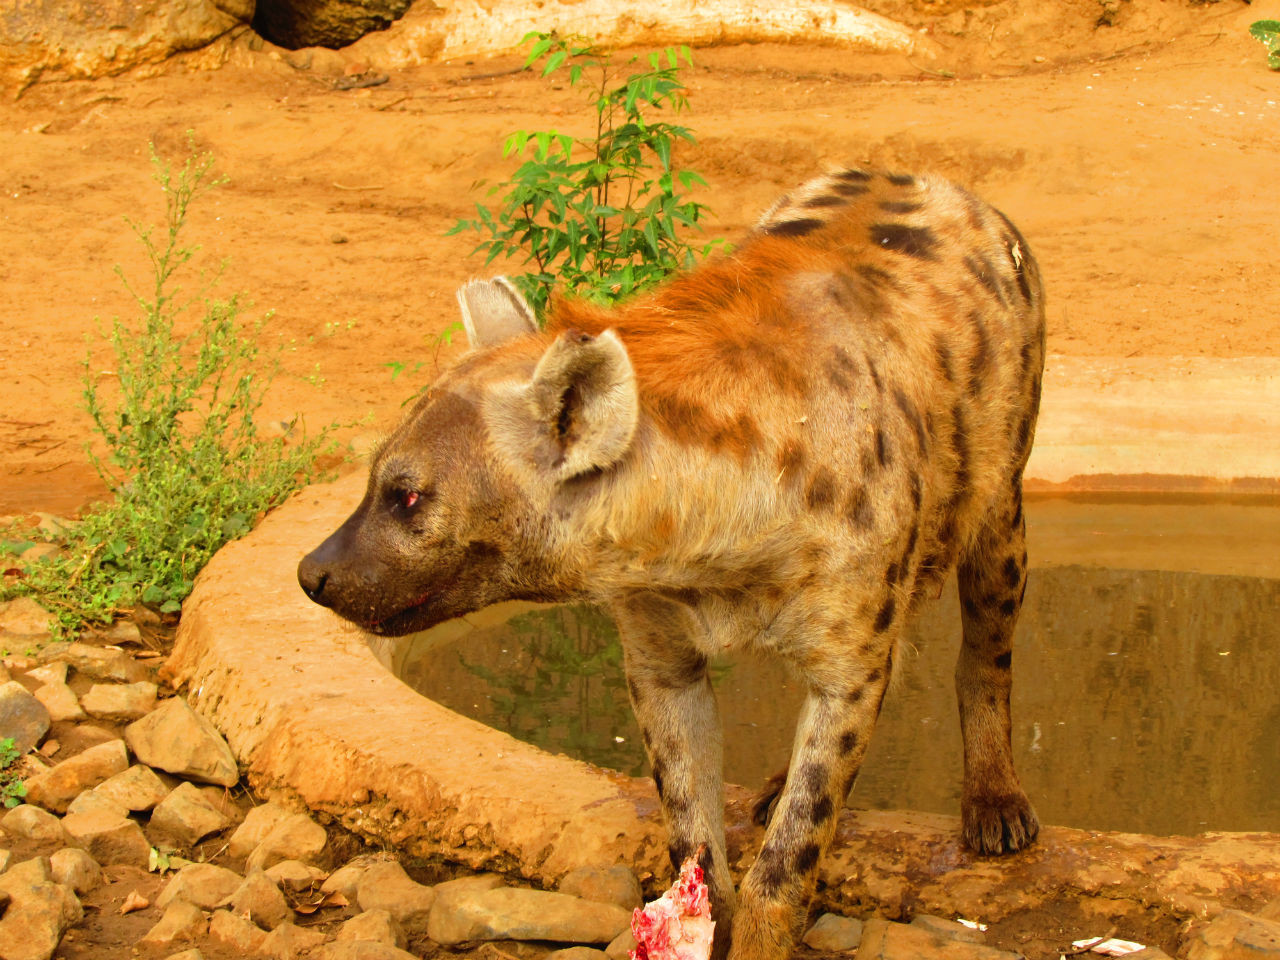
x=1145, y=699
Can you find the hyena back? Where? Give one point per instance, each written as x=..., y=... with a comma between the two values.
x=780, y=451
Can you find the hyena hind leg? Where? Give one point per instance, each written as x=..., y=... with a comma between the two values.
x=997, y=817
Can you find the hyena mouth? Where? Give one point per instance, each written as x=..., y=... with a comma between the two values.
x=405, y=620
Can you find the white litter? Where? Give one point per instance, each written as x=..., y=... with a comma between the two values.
x=971, y=924
x=1108, y=948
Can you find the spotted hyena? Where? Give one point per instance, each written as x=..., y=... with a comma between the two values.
x=781, y=451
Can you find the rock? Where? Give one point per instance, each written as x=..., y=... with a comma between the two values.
x=1148, y=953
x=174, y=738
x=345, y=881
x=235, y=932
x=296, y=837
x=323, y=23
x=92, y=800
x=61, y=702
x=110, y=840
x=137, y=788
x=181, y=923
x=22, y=716
x=1234, y=935
x=359, y=950
x=57, y=787
x=577, y=953
x=204, y=885
x=120, y=702
x=290, y=942
x=615, y=884
x=885, y=940
x=258, y=822
x=32, y=823
x=40, y=551
x=51, y=674
x=833, y=933
x=123, y=633
x=103, y=663
x=385, y=886
x=294, y=875
x=5, y=859
x=192, y=954
x=25, y=617
x=509, y=913
x=947, y=928
x=75, y=869
x=187, y=816
x=80, y=39
x=377, y=925
x=39, y=911
x=1271, y=911
x=260, y=900
x=620, y=947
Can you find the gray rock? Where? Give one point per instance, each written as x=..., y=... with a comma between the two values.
x=296, y=837
x=833, y=933
x=61, y=702
x=103, y=663
x=385, y=886
x=359, y=950
x=205, y=885
x=25, y=617
x=615, y=884
x=120, y=702
x=261, y=901
x=620, y=947
x=258, y=822
x=136, y=789
x=110, y=840
x=325, y=23
x=235, y=932
x=22, y=716
x=181, y=923
x=290, y=942
x=947, y=928
x=509, y=913
x=1234, y=935
x=39, y=911
x=187, y=816
x=174, y=738
x=345, y=881
x=74, y=868
x=57, y=787
x=50, y=674
x=32, y=823
x=376, y=925
x=884, y=940
x=294, y=875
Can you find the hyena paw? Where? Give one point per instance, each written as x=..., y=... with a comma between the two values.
x=998, y=824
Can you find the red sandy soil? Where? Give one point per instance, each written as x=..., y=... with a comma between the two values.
x=1138, y=158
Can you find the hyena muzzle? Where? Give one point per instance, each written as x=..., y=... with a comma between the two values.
x=780, y=451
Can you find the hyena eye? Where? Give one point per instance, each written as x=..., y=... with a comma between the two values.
x=407, y=499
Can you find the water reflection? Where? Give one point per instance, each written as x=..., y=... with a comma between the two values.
x=1144, y=700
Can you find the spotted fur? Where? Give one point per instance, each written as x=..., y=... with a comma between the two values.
x=781, y=452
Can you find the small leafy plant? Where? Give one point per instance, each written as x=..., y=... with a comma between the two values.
x=187, y=467
x=1267, y=32
x=606, y=214
x=12, y=790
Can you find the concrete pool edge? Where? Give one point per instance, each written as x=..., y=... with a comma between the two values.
x=308, y=710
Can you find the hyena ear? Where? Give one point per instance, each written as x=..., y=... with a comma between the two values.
x=494, y=311
x=576, y=415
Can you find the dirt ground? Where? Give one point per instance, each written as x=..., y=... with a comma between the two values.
x=1138, y=158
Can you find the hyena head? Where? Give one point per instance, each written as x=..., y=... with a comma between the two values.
x=464, y=505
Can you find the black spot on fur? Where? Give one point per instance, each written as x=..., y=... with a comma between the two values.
x=916, y=492
x=1004, y=660
x=849, y=739
x=657, y=779
x=841, y=369
x=1008, y=607
x=984, y=273
x=807, y=858
x=1023, y=437
x=918, y=242
x=981, y=358
x=824, y=200
x=893, y=573
x=793, y=228
x=913, y=417
x=882, y=448
x=773, y=871
x=850, y=189
x=943, y=351
x=901, y=179
x=854, y=695
x=875, y=376
x=852, y=176
x=970, y=608
x=822, y=490
x=634, y=690
x=679, y=851
x=1012, y=572
x=900, y=206
x=885, y=617
x=1019, y=263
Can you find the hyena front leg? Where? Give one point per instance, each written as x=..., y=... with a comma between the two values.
x=675, y=707
x=831, y=739
x=997, y=816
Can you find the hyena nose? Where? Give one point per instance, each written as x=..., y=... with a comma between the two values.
x=312, y=577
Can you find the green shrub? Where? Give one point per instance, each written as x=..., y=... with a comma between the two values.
x=187, y=466
x=1268, y=33
x=606, y=215
x=12, y=790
